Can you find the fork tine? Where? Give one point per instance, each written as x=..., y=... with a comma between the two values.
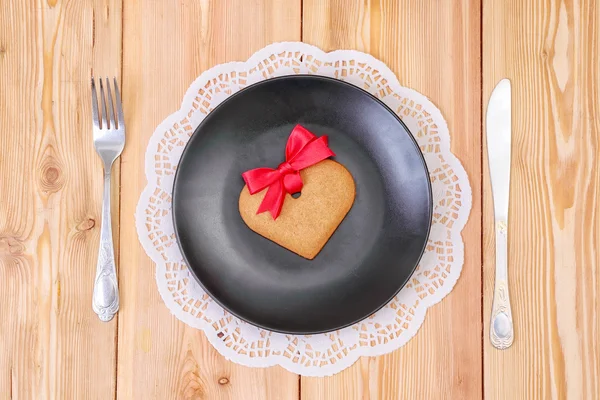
x=95, y=120
x=119, y=105
x=104, y=119
x=111, y=115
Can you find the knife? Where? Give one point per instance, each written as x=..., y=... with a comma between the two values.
x=498, y=127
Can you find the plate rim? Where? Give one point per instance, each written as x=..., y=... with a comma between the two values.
x=318, y=78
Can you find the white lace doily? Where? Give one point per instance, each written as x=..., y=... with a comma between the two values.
x=323, y=354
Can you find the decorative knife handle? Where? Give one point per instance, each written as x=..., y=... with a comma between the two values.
x=105, y=300
x=501, y=327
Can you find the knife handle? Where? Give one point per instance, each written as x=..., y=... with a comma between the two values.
x=501, y=327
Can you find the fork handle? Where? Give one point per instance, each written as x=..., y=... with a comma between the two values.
x=501, y=327
x=105, y=300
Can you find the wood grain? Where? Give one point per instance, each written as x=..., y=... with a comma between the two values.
x=166, y=46
x=550, y=51
x=433, y=47
x=53, y=345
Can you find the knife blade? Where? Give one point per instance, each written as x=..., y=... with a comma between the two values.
x=498, y=127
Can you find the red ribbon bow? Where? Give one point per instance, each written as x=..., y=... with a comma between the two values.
x=303, y=149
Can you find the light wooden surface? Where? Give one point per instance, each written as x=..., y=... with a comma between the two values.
x=552, y=56
x=166, y=46
x=53, y=346
x=444, y=359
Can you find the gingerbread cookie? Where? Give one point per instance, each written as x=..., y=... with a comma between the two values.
x=305, y=223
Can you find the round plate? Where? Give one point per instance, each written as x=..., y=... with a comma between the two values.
x=369, y=257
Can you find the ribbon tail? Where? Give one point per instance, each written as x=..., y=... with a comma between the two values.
x=273, y=200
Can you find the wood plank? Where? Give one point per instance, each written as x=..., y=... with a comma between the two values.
x=550, y=51
x=53, y=345
x=166, y=46
x=433, y=47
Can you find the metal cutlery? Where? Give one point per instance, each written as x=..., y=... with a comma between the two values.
x=498, y=127
x=109, y=140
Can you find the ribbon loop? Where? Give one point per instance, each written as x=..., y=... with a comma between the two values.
x=302, y=150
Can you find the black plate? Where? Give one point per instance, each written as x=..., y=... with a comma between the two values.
x=374, y=250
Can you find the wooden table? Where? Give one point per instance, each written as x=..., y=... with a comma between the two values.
x=53, y=346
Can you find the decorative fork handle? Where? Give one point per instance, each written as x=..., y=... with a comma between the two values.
x=501, y=327
x=105, y=300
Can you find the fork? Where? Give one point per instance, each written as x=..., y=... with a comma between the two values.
x=109, y=140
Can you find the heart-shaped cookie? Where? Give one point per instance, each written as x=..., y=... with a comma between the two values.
x=306, y=223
